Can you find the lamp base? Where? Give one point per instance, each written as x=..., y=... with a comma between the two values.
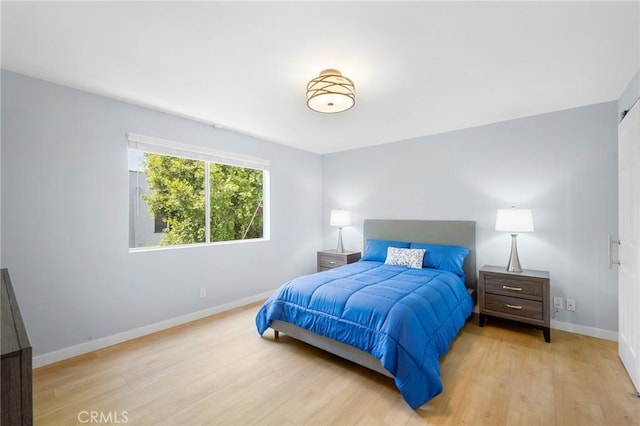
x=514, y=261
x=340, y=248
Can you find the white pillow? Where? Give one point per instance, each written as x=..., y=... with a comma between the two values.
x=405, y=257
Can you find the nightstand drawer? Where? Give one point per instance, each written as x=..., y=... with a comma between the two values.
x=514, y=306
x=325, y=261
x=514, y=288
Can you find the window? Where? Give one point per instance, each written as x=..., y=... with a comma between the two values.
x=181, y=194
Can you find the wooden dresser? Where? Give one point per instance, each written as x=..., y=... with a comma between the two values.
x=16, y=383
x=518, y=296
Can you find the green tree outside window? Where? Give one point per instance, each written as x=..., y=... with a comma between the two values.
x=177, y=194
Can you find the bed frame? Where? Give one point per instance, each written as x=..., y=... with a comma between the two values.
x=461, y=233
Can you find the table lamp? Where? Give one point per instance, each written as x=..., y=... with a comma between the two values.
x=514, y=221
x=340, y=218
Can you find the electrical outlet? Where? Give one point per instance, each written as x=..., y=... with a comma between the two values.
x=558, y=302
x=203, y=292
x=571, y=304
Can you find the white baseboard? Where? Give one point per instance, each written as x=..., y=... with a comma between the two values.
x=83, y=348
x=584, y=330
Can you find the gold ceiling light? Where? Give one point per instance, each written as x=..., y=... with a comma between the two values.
x=331, y=92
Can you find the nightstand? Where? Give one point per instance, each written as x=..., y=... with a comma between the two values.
x=518, y=296
x=329, y=259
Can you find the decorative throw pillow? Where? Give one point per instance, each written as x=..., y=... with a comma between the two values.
x=405, y=257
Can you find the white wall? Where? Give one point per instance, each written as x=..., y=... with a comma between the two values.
x=562, y=165
x=64, y=210
x=65, y=218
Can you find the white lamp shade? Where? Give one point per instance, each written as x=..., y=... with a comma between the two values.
x=340, y=218
x=514, y=220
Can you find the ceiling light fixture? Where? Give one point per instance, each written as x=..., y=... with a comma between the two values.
x=331, y=92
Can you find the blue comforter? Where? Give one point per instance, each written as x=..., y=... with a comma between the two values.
x=407, y=318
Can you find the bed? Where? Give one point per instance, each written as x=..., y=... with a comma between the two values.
x=393, y=319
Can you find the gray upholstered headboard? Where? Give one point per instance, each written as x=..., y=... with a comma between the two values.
x=454, y=232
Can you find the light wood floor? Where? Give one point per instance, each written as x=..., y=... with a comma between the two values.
x=219, y=371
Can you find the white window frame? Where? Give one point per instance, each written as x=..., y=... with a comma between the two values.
x=208, y=155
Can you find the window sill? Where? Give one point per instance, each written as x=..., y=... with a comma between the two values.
x=189, y=246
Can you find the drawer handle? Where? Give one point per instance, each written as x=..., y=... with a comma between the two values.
x=332, y=263
x=512, y=306
x=506, y=287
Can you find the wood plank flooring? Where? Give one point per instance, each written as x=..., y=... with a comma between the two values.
x=218, y=371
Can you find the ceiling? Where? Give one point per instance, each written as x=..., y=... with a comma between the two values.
x=420, y=68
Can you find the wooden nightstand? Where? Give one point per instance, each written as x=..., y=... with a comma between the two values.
x=329, y=259
x=518, y=296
